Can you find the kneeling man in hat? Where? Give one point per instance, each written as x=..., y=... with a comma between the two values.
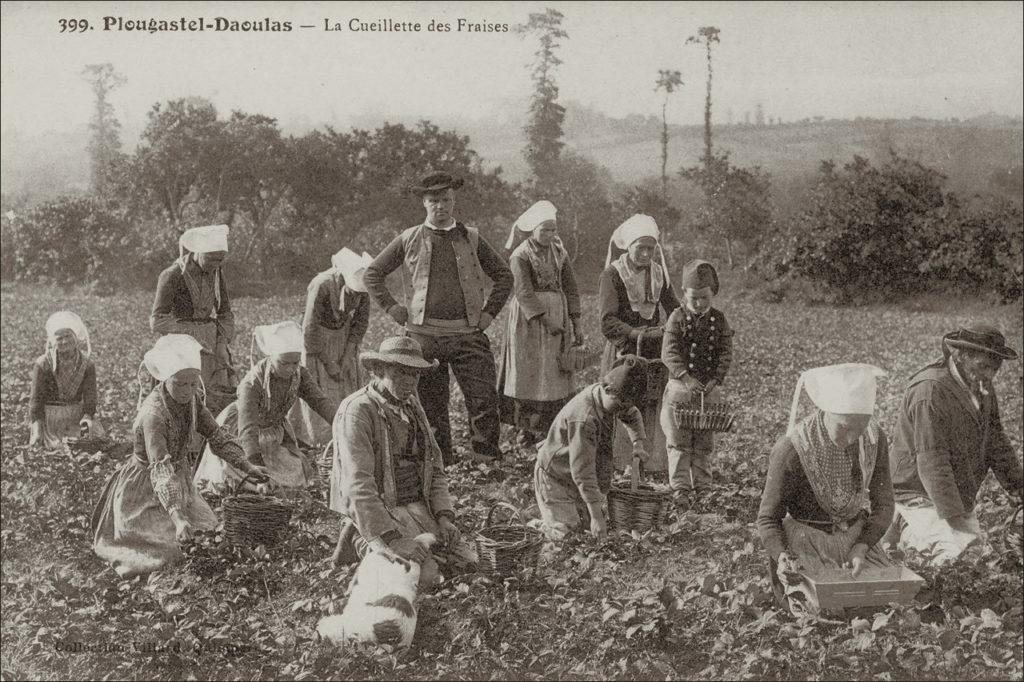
x=388, y=477
x=948, y=436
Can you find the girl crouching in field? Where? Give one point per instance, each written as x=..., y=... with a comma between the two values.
x=258, y=417
x=150, y=505
x=63, y=398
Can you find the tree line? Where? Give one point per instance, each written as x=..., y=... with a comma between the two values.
x=287, y=197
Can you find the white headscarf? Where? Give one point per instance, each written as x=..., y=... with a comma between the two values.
x=849, y=388
x=203, y=239
x=65, y=319
x=172, y=353
x=274, y=339
x=634, y=228
x=635, y=279
x=535, y=216
x=352, y=267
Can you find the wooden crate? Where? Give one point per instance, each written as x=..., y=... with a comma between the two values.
x=875, y=586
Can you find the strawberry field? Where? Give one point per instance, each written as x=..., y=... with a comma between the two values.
x=690, y=600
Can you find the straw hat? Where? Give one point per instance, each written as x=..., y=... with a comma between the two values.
x=399, y=350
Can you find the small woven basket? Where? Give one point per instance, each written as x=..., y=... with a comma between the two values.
x=578, y=358
x=656, y=374
x=506, y=548
x=710, y=417
x=640, y=507
x=252, y=519
x=93, y=444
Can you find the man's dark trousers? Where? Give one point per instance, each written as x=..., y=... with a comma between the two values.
x=471, y=360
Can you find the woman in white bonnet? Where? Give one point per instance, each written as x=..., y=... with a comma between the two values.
x=268, y=392
x=63, y=398
x=828, y=498
x=192, y=298
x=336, y=318
x=543, y=322
x=149, y=505
x=636, y=298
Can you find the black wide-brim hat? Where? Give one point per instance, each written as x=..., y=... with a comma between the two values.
x=436, y=182
x=984, y=338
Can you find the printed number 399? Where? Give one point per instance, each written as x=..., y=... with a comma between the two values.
x=71, y=25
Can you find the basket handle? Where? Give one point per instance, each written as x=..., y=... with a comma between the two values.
x=639, y=338
x=241, y=484
x=515, y=513
x=634, y=483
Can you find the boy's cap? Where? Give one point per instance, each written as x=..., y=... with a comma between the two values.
x=627, y=379
x=700, y=274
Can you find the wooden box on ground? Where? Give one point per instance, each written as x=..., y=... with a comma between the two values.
x=835, y=588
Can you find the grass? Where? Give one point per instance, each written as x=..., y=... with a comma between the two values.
x=686, y=601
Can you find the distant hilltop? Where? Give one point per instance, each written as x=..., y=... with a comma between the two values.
x=968, y=151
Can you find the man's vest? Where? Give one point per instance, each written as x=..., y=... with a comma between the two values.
x=475, y=284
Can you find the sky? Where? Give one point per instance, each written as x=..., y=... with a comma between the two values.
x=831, y=59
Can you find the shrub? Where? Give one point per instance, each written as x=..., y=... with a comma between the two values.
x=893, y=230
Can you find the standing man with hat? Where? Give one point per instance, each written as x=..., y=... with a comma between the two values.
x=948, y=436
x=449, y=269
x=191, y=298
x=388, y=479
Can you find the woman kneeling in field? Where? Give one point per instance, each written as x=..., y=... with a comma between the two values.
x=63, y=399
x=259, y=415
x=828, y=498
x=150, y=505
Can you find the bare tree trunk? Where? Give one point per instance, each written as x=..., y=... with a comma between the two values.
x=728, y=252
x=664, y=148
x=707, y=115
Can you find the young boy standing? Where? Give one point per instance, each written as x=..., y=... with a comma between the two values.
x=574, y=464
x=697, y=350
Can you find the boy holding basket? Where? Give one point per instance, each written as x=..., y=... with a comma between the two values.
x=697, y=350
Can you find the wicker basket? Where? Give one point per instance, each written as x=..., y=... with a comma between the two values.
x=93, y=444
x=709, y=417
x=657, y=374
x=578, y=358
x=640, y=507
x=252, y=519
x=505, y=549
